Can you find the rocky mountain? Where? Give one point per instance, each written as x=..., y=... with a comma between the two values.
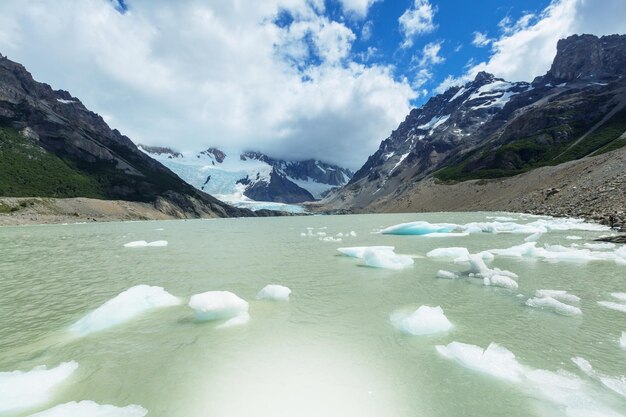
x=491, y=128
x=252, y=175
x=51, y=145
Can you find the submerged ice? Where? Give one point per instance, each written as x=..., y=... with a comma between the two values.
x=423, y=321
x=123, y=307
x=19, y=390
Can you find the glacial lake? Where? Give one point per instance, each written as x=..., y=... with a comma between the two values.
x=331, y=350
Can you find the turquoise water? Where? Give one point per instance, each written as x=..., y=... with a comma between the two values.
x=330, y=351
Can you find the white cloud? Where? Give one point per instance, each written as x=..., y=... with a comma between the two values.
x=417, y=20
x=191, y=74
x=430, y=55
x=358, y=8
x=527, y=46
x=481, y=40
x=366, y=31
x=422, y=77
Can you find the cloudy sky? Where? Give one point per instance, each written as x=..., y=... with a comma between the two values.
x=297, y=79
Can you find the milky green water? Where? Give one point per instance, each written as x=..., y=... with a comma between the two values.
x=329, y=351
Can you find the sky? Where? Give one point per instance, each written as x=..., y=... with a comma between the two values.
x=296, y=79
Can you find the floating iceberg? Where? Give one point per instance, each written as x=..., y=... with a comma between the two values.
x=553, y=304
x=560, y=295
x=495, y=360
x=218, y=305
x=423, y=321
x=92, y=409
x=446, y=274
x=274, y=292
x=454, y=253
x=144, y=244
x=418, y=228
x=19, y=390
x=613, y=306
x=561, y=390
x=617, y=385
x=378, y=256
x=123, y=307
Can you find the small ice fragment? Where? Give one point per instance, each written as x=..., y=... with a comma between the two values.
x=573, y=237
x=339, y=234
x=217, y=305
x=619, y=295
x=554, y=305
x=613, y=306
x=534, y=237
x=144, y=244
x=303, y=234
x=423, y=321
x=495, y=360
x=560, y=295
x=92, y=409
x=123, y=307
x=353, y=233
x=274, y=292
x=358, y=251
x=386, y=259
x=622, y=341
x=20, y=390
x=503, y=281
x=599, y=246
x=446, y=274
x=454, y=252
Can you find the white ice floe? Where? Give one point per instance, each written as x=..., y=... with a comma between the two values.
x=92, y=409
x=218, y=305
x=534, y=237
x=274, y=292
x=615, y=384
x=503, y=281
x=559, y=253
x=599, y=246
x=378, y=256
x=423, y=321
x=491, y=276
x=418, y=228
x=19, y=390
x=622, y=341
x=573, y=237
x=559, y=390
x=358, y=251
x=553, y=304
x=613, y=306
x=446, y=274
x=560, y=295
x=330, y=239
x=453, y=253
x=144, y=244
x=123, y=307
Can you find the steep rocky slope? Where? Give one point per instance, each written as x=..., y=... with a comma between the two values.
x=491, y=128
x=52, y=146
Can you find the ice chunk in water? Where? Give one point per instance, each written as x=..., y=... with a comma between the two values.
x=599, y=246
x=418, y=228
x=573, y=237
x=454, y=253
x=560, y=295
x=19, y=390
x=554, y=305
x=619, y=295
x=613, y=306
x=386, y=259
x=622, y=341
x=274, y=292
x=446, y=274
x=217, y=305
x=123, y=307
x=92, y=409
x=617, y=385
x=534, y=237
x=495, y=360
x=144, y=244
x=358, y=251
x=423, y=321
x=503, y=281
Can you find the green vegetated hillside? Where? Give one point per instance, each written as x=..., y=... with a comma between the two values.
x=548, y=146
x=28, y=170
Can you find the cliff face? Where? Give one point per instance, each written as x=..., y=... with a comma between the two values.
x=491, y=128
x=52, y=146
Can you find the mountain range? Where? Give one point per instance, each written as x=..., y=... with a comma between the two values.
x=490, y=129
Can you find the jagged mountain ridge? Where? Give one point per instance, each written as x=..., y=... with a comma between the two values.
x=491, y=128
x=51, y=145
x=253, y=174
